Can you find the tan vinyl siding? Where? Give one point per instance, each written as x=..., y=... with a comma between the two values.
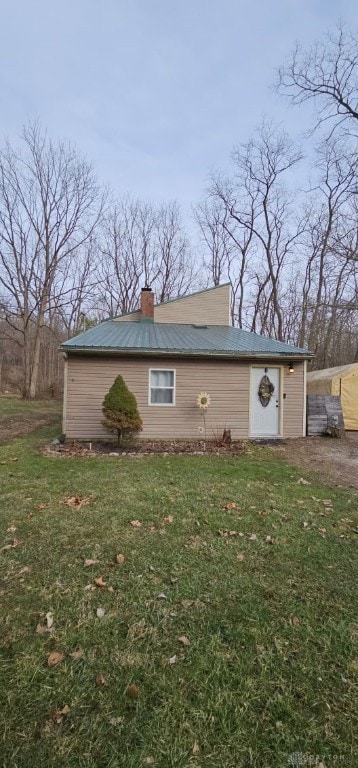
x=210, y=307
x=206, y=308
x=293, y=404
x=89, y=379
x=133, y=317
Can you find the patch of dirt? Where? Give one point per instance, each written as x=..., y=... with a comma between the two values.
x=335, y=459
x=22, y=427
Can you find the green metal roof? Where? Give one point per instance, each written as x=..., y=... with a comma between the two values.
x=179, y=339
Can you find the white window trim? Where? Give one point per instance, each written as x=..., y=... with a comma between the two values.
x=173, y=388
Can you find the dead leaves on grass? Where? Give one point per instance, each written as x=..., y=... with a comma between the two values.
x=100, y=679
x=88, y=562
x=55, y=658
x=196, y=748
x=76, y=502
x=184, y=640
x=136, y=524
x=120, y=559
x=133, y=691
x=79, y=654
x=100, y=582
x=59, y=714
x=15, y=543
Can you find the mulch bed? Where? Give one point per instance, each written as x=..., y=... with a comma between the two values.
x=143, y=448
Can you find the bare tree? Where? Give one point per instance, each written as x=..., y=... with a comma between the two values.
x=326, y=74
x=256, y=217
x=330, y=268
x=142, y=245
x=50, y=206
x=174, y=271
x=211, y=216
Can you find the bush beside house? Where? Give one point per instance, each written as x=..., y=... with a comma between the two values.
x=120, y=411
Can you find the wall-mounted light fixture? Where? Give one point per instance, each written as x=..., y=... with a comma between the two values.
x=291, y=368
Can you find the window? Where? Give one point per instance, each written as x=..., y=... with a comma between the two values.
x=161, y=387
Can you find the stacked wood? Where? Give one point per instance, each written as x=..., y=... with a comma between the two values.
x=325, y=415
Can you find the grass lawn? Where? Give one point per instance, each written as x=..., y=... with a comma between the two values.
x=18, y=416
x=215, y=649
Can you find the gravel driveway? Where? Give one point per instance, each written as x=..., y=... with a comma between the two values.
x=335, y=459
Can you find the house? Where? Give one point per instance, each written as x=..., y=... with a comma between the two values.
x=341, y=380
x=170, y=352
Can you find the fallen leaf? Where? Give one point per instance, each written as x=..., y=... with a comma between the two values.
x=133, y=691
x=100, y=613
x=76, y=502
x=327, y=502
x=253, y=537
x=294, y=621
x=305, y=525
x=302, y=481
x=148, y=761
x=269, y=540
x=99, y=582
x=54, y=658
x=120, y=559
x=110, y=589
x=14, y=544
x=187, y=603
x=173, y=660
x=100, y=679
x=162, y=596
x=168, y=519
x=240, y=557
x=42, y=630
x=184, y=640
x=196, y=748
x=87, y=563
x=59, y=714
x=136, y=524
x=24, y=569
x=49, y=620
x=116, y=720
x=230, y=505
x=41, y=506
x=11, y=529
x=79, y=654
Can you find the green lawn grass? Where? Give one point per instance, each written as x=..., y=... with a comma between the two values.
x=270, y=669
x=20, y=416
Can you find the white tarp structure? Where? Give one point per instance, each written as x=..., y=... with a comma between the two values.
x=341, y=381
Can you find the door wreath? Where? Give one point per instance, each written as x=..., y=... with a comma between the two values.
x=265, y=391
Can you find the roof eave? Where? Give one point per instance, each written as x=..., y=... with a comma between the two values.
x=305, y=355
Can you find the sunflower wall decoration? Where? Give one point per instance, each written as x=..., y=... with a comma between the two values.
x=265, y=391
x=203, y=401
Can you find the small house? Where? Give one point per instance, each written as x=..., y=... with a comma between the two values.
x=170, y=352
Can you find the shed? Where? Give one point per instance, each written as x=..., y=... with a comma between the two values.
x=342, y=381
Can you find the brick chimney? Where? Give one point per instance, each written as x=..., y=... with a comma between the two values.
x=147, y=303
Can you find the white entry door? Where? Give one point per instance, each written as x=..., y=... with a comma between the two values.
x=265, y=409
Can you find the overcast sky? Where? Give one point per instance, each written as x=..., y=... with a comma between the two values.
x=155, y=93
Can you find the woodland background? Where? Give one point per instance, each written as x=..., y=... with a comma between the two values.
x=71, y=255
